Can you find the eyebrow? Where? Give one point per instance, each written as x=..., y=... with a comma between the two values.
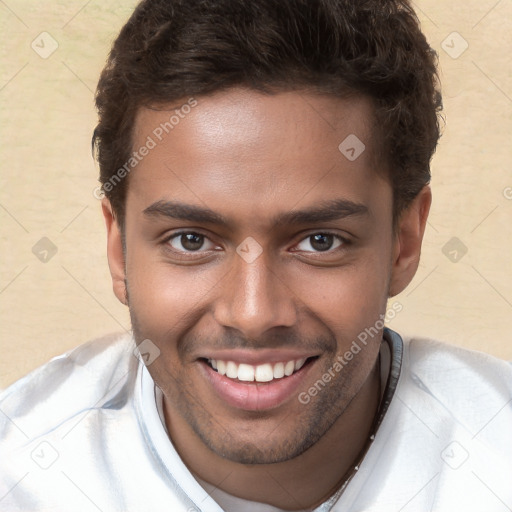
x=182, y=211
x=335, y=209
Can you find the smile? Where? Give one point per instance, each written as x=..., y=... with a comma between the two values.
x=256, y=381
x=266, y=372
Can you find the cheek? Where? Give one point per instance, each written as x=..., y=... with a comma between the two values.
x=346, y=299
x=165, y=297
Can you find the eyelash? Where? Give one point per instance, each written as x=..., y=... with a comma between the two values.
x=344, y=243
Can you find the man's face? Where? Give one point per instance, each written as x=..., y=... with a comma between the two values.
x=252, y=240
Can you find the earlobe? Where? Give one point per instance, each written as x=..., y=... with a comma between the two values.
x=115, y=252
x=408, y=240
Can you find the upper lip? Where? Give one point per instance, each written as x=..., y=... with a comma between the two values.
x=257, y=357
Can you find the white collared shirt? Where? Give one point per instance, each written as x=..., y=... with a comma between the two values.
x=84, y=433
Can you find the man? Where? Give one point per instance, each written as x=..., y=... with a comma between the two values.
x=266, y=170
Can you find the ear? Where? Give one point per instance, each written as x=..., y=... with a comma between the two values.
x=408, y=239
x=115, y=253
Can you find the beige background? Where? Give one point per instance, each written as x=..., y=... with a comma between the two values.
x=48, y=177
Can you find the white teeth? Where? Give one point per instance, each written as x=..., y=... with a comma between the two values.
x=264, y=373
x=245, y=372
x=299, y=364
x=221, y=367
x=260, y=373
x=289, y=368
x=279, y=371
x=231, y=370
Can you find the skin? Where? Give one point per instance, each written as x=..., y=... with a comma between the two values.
x=250, y=157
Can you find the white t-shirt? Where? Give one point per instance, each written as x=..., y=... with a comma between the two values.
x=84, y=432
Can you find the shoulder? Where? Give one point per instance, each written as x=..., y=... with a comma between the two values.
x=441, y=363
x=66, y=385
x=446, y=438
x=458, y=386
x=74, y=425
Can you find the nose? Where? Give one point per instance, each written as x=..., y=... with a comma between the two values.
x=253, y=298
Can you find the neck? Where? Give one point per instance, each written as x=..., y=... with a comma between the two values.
x=297, y=484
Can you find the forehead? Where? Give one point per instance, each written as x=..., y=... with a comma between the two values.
x=243, y=152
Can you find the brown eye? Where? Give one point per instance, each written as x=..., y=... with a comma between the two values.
x=319, y=242
x=189, y=242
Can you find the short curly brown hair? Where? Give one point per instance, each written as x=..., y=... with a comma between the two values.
x=172, y=49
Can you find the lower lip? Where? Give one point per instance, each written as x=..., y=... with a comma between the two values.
x=255, y=396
